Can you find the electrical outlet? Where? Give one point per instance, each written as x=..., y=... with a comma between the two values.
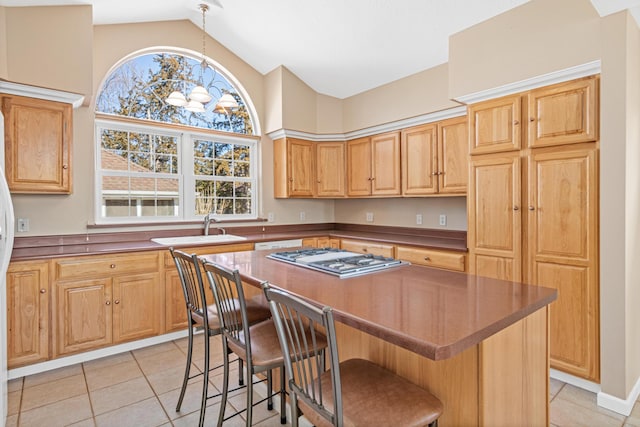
x=418, y=219
x=443, y=220
x=369, y=216
x=271, y=217
x=303, y=216
x=23, y=225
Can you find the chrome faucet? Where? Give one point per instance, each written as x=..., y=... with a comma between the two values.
x=208, y=219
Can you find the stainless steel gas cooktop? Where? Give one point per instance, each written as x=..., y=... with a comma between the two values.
x=337, y=262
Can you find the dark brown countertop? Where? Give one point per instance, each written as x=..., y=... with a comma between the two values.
x=29, y=248
x=432, y=312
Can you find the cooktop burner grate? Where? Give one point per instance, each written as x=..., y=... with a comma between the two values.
x=337, y=262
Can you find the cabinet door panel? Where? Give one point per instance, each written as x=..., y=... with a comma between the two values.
x=494, y=214
x=494, y=126
x=419, y=160
x=175, y=310
x=84, y=315
x=453, y=154
x=38, y=145
x=136, y=300
x=563, y=251
x=385, y=152
x=564, y=113
x=301, y=167
x=359, y=167
x=27, y=313
x=330, y=162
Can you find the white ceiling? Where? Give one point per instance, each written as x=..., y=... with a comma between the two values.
x=338, y=47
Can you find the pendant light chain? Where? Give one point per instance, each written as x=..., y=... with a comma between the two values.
x=204, y=9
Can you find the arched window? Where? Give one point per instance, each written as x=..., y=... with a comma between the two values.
x=157, y=161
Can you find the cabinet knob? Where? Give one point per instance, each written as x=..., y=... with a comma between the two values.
x=516, y=122
x=108, y=303
x=43, y=291
x=65, y=166
x=117, y=301
x=365, y=250
x=531, y=208
x=435, y=173
x=112, y=266
x=516, y=208
x=427, y=258
x=532, y=119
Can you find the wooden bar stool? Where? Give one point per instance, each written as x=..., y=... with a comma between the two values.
x=354, y=392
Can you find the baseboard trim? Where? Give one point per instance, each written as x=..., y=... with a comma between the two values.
x=575, y=381
x=61, y=362
x=621, y=406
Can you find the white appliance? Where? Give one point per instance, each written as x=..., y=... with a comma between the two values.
x=6, y=245
x=293, y=243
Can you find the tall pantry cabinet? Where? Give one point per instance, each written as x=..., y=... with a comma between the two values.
x=533, y=207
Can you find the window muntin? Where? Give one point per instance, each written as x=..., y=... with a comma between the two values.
x=148, y=172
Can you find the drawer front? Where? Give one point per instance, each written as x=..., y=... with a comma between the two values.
x=432, y=258
x=106, y=265
x=200, y=250
x=368, y=248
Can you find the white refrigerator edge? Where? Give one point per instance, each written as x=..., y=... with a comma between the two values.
x=7, y=223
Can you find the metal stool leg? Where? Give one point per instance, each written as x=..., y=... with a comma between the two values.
x=205, y=384
x=187, y=369
x=283, y=399
x=225, y=381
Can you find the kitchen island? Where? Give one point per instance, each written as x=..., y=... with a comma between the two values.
x=479, y=344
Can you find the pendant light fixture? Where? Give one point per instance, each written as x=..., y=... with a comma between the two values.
x=199, y=95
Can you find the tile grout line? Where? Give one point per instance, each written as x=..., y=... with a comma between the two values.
x=155, y=394
x=86, y=384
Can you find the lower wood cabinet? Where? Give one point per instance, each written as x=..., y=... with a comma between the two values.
x=106, y=299
x=27, y=313
x=366, y=247
x=448, y=260
x=321, y=242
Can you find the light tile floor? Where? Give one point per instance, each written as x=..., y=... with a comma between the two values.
x=140, y=388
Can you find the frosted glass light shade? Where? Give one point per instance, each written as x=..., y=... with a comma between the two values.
x=227, y=101
x=195, y=106
x=177, y=98
x=200, y=94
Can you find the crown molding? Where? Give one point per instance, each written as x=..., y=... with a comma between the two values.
x=30, y=91
x=374, y=130
x=571, y=73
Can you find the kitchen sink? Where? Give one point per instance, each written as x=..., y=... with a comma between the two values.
x=197, y=240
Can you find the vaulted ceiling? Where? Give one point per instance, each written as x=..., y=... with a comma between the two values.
x=339, y=48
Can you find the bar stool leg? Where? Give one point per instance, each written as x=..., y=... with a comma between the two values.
x=187, y=369
x=225, y=381
x=283, y=399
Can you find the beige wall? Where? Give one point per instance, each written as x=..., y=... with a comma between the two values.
x=531, y=40
x=330, y=115
x=50, y=47
x=415, y=95
x=3, y=44
x=400, y=212
x=273, y=100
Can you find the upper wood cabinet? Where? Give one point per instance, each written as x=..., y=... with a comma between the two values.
x=293, y=168
x=564, y=113
x=494, y=126
x=330, y=169
x=38, y=140
x=373, y=165
x=434, y=158
x=28, y=300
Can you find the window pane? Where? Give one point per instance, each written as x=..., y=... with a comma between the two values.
x=242, y=206
x=205, y=197
x=139, y=197
x=243, y=189
x=242, y=169
x=224, y=168
x=223, y=151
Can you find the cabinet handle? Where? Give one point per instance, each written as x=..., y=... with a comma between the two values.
x=427, y=258
x=43, y=291
x=531, y=208
x=515, y=208
x=532, y=119
x=435, y=173
x=112, y=266
x=516, y=122
x=108, y=303
x=117, y=301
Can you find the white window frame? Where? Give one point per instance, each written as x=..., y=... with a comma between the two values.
x=186, y=177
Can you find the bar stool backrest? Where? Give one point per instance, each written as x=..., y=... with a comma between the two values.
x=293, y=316
x=192, y=286
x=227, y=290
